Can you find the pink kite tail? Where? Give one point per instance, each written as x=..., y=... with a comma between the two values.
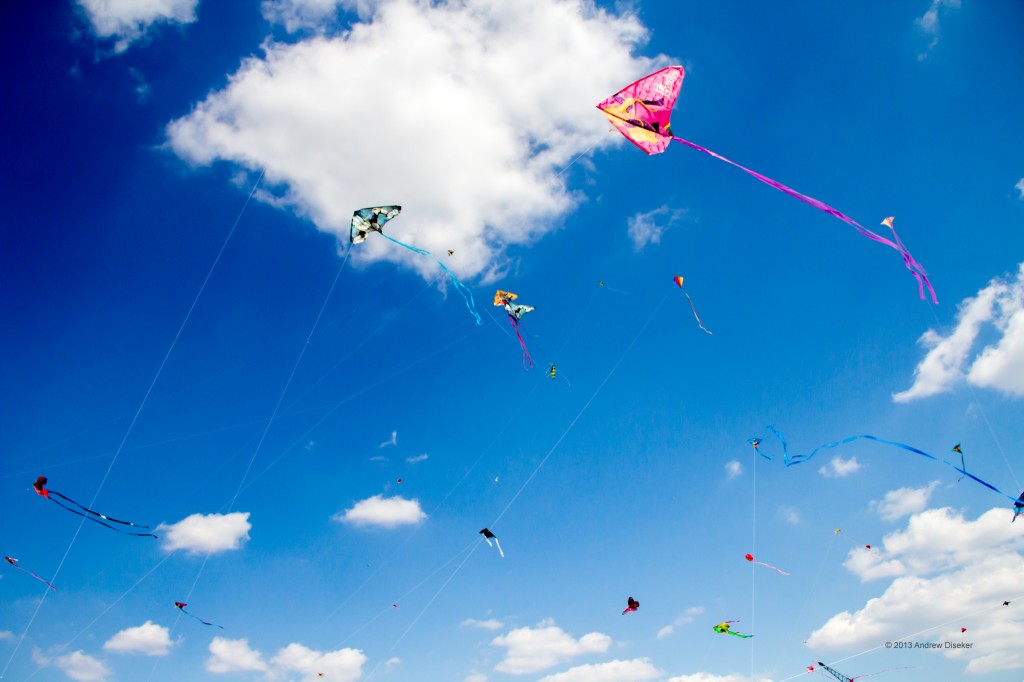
x=695, y=313
x=771, y=567
x=915, y=268
x=522, y=344
x=34, y=576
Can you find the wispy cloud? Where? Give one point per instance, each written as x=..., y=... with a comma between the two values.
x=999, y=365
x=929, y=23
x=733, y=469
x=838, y=467
x=418, y=458
x=489, y=624
x=1020, y=187
x=383, y=512
x=903, y=502
x=647, y=228
x=127, y=22
x=684, y=618
x=636, y=670
x=790, y=515
x=391, y=441
x=209, y=533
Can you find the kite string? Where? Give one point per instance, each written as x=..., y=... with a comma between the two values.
x=753, y=551
x=138, y=412
x=467, y=295
x=580, y=413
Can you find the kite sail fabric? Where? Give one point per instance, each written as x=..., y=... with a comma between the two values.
x=679, y=281
x=723, y=629
x=1018, y=503
x=14, y=562
x=181, y=607
x=42, y=491
x=642, y=110
x=488, y=536
x=631, y=606
x=515, y=314
x=750, y=558
x=373, y=219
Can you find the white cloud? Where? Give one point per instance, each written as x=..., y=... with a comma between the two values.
x=418, y=458
x=685, y=618
x=903, y=502
x=233, y=655
x=733, y=469
x=5, y=635
x=489, y=624
x=475, y=677
x=386, y=512
x=533, y=649
x=929, y=23
x=210, y=533
x=129, y=20
x=789, y=515
x=839, y=467
x=647, y=228
x=81, y=667
x=344, y=665
x=391, y=441
x=446, y=107
x=977, y=564
x=636, y=670
x=999, y=365
x=710, y=677
x=149, y=639
x=296, y=15
x=1020, y=187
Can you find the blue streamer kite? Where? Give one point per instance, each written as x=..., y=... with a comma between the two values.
x=367, y=220
x=1018, y=502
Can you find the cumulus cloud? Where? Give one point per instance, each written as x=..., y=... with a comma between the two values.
x=345, y=665
x=77, y=665
x=686, y=617
x=929, y=22
x=839, y=467
x=233, y=655
x=149, y=639
x=947, y=567
x=533, y=649
x=418, y=458
x=431, y=104
x=903, y=502
x=636, y=670
x=209, y=533
x=999, y=365
x=710, y=677
x=385, y=512
x=489, y=624
x=647, y=228
x=733, y=469
x=128, y=20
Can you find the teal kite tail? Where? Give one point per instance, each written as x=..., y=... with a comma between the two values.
x=463, y=290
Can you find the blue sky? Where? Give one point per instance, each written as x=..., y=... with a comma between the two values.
x=190, y=165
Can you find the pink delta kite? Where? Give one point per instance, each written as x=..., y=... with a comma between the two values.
x=641, y=111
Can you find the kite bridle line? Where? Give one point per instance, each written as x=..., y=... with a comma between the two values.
x=138, y=412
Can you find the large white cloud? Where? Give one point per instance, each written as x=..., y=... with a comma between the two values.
x=635, y=670
x=149, y=639
x=385, y=512
x=235, y=655
x=999, y=365
x=977, y=564
x=532, y=649
x=77, y=665
x=209, y=533
x=128, y=20
x=447, y=108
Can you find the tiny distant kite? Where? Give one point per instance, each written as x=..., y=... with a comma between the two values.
x=631, y=606
x=1006, y=603
x=451, y=252
x=515, y=315
x=642, y=110
x=373, y=219
x=723, y=629
x=398, y=480
x=788, y=460
x=756, y=443
x=41, y=490
x=181, y=607
x=14, y=562
x=488, y=536
x=750, y=558
x=553, y=373
x=963, y=630
x=839, y=531
x=956, y=448
x=679, y=281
